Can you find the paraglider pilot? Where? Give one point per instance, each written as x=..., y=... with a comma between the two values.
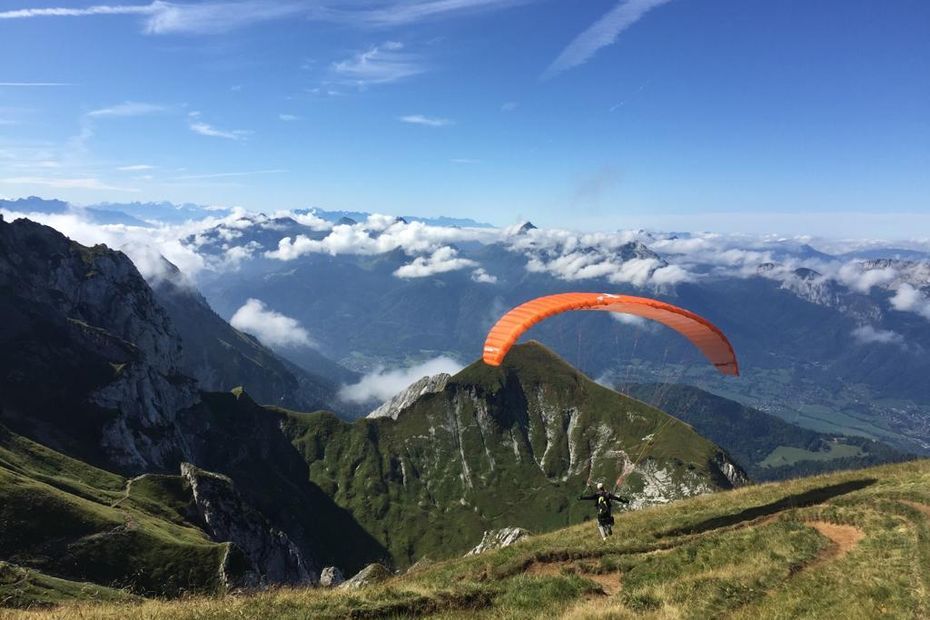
x=603, y=499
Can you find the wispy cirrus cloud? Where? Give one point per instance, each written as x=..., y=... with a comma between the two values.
x=602, y=33
x=126, y=109
x=143, y=9
x=198, y=126
x=427, y=121
x=161, y=17
x=380, y=64
x=393, y=13
x=174, y=18
x=135, y=168
x=220, y=175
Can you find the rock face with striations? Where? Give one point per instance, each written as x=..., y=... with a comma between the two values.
x=403, y=400
x=87, y=316
x=272, y=556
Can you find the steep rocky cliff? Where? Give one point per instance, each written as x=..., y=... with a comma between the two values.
x=273, y=557
x=95, y=355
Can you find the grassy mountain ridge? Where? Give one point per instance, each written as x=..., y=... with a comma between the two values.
x=508, y=446
x=844, y=545
x=766, y=446
x=79, y=523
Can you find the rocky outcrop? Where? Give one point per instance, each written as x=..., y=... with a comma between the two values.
x=370, y=575
x=96, y=308
x=400, y=402
x=732, y=472
x=330, y=577
x=272, y=556
x=498, y=539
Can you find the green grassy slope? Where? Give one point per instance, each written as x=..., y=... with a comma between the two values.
x=845, y=545
x=62, y=517
x=508, y=446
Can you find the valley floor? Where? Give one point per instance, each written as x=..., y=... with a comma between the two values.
x=848, y=545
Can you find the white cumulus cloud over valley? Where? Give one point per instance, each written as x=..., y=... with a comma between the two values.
x=272, y=328
x=381, y=384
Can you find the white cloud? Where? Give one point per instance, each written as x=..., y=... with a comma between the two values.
x=465, y=161
x=908, y=298
x=443, y=260
x=287, y=118
x=483, y=277
x=140, y=244
x=217, y=17
x=386, y=13
x=307, y=219
x=206, y=129
x=380, y=64
x=163, y=17
x=428, y=121
x=271, y=328
x=671, y=275
x=144, y=9
x=866, y=334
x=379, y=234
x=509, y=106
x=630, y=319
x=616, y=257
x=172, y=18
x=862, y=280
x=381, y=384
x=221, y=175
x=136, y=168
x=126, y=109
x=602, y=33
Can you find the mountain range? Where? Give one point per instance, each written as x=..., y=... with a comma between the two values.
x=118, y=467
x=149, y=448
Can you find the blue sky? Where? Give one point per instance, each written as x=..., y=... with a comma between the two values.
x=738, y=115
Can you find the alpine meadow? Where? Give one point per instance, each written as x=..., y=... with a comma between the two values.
x=464, y=309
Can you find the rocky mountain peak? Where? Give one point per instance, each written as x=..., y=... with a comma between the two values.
x=99, y=298
x=396, y=405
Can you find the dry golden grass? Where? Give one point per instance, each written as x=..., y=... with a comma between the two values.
x=849, y=545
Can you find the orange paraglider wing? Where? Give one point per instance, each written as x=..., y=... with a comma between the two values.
x=701, y=332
